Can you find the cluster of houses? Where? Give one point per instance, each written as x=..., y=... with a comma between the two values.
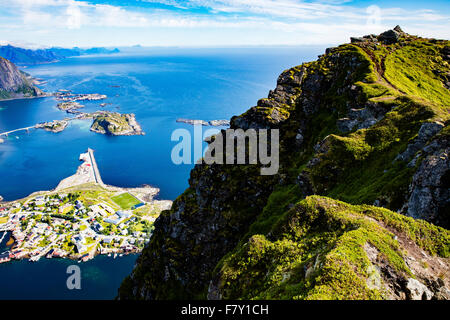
x=42, y=225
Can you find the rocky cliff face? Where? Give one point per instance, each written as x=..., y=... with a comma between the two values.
x=14, y=83
x=367, y=123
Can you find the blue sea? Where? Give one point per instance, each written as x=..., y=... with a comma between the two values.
x=158, y=86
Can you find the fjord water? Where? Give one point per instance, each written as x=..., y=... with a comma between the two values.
x=159, y=86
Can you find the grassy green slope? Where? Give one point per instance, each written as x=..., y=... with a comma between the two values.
x=317, y=250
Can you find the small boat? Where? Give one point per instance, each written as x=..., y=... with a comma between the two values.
x=109, y=254
x=115, y=255
x=79, y=261
x=121, y=255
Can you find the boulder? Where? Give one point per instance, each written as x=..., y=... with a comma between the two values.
x=389, y=37
x=417, y=291
x=398, y=29
x=357, y=39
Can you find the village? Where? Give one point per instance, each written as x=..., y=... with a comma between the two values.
x=62, y=225
x=80, y=218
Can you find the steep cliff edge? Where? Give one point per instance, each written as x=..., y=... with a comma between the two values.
x=367, y=123
x=15, y=83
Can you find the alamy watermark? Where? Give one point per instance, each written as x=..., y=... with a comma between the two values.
x=374, y=16
x=231, y=146
x=74, y=280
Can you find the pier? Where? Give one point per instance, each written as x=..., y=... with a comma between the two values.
x=87, y=172
x=98, y=178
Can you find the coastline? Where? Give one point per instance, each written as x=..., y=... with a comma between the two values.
x=26, y=98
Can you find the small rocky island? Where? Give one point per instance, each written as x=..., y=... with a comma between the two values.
x=68, y=96
x=70, y=107
x=53, y=126
x=116, y=124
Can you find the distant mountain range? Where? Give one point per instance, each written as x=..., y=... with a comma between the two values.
x=21, y=56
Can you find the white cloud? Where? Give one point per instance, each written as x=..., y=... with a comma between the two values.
x=75, y=16
x=295, y=21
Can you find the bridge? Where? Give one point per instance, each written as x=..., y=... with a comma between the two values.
x=16, y=130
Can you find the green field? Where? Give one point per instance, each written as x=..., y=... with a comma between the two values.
x=125, y=200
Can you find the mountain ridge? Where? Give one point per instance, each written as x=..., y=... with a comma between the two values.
x=21, y=56
x=366, y=124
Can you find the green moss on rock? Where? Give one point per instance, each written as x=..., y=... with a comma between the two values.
x=318, y=250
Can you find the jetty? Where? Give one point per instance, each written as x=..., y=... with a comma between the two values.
x=87, y=172
x=97, y=177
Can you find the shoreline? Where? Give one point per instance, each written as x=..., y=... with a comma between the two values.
x=27, y=98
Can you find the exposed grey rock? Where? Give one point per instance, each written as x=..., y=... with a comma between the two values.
x=398, y=29
x=367, y=38
x=426, y=132
x=284, y=95
x=417, y=291
x=356, y=39
x=299, y=138
x=442, y=294
x=360, y=119
x=14, y=83
x=429, y=192
x=213, y=291
x=346, y=124
x=389, y=37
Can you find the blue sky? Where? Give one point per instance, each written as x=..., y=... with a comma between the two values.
x=213, y=22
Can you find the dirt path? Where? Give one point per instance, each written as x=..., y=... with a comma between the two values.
x=380, y=70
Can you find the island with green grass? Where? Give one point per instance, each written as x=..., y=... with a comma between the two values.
x=116, y=124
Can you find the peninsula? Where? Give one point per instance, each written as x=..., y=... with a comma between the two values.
x=80, y=218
